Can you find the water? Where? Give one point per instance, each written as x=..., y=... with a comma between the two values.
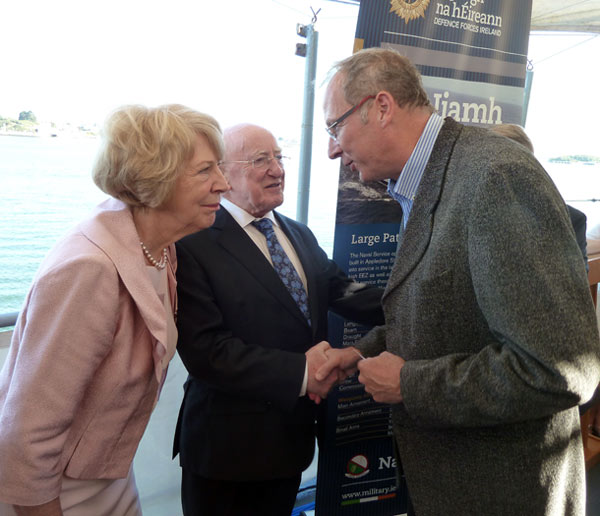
x=46, y=188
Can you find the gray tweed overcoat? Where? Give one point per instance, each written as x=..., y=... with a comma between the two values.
x=488, y=302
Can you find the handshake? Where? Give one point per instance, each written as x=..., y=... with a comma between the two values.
x=329, y=366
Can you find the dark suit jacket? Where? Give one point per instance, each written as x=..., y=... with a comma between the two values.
x=490, y=306
x=242, y=339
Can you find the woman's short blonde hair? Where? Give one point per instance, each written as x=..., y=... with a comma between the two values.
x=145, y=149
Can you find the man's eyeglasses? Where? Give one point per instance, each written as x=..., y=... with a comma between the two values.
x=331, y=128
x=261, y=163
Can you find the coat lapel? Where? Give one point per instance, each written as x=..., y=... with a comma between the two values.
x=238, y=244
x=419, y=228
x=112, y=229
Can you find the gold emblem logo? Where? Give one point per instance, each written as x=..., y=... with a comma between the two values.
x=409, y=9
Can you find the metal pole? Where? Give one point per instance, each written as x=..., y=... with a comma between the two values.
x=526, y=94
x=8, y=319
x=312, y=38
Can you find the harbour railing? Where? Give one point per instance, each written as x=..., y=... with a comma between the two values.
x=8, y=319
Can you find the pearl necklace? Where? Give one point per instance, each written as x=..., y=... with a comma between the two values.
x=163, y=261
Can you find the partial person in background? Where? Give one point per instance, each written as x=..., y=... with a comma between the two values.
x=578, y=218
x=254, y=292
x=92, y=343
x=490, y=339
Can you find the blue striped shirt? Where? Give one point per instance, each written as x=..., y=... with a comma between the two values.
x=405, y=187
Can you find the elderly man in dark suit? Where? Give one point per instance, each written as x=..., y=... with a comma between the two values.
x=490, y=340
x=254, y=292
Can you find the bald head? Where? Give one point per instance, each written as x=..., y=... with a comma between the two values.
x=238, y=137
x=253, y=168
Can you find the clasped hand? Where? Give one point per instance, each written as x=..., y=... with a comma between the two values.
x=380, y=375
x=316, y=359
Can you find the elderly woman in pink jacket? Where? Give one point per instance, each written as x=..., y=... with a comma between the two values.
x=92, y=343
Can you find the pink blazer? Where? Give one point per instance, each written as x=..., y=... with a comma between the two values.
x=85, y=365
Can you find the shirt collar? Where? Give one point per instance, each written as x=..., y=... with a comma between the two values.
x=408, y=181
x=241, y=216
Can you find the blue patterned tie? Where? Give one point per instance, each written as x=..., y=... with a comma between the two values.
x=283, y=266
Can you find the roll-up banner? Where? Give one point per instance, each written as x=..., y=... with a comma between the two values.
x=472, y=56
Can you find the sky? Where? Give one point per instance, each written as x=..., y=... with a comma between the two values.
x=563, y=112
x=73, y=60
x=77, y=60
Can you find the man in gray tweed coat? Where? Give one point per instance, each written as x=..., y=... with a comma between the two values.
x=490, y=340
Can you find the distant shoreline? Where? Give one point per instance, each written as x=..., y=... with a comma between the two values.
x=61, y=135
x=573, y=162
x=585, y=159
x=28, y=135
